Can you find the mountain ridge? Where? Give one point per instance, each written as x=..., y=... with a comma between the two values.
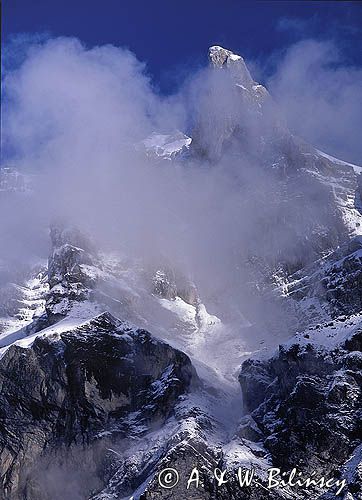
x=180, y=403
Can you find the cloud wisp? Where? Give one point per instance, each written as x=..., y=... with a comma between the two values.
x=321, y=97
x=73, y=116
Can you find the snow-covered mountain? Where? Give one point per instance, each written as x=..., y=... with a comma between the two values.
x=113, y=369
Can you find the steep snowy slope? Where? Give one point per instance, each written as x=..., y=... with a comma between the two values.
x=22, y=302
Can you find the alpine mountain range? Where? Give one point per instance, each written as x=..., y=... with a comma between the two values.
x=115, y=366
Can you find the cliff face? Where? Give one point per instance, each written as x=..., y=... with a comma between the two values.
x=235, y=113
x=331, y=286
x=307, y=403
x=78, y=383
x=75, y=393
x=303, y=201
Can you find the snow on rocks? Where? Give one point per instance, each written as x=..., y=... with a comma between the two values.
x=22, y=303
x=166, y=146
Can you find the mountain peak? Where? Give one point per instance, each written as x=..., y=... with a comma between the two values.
x=219, y=56
x=223, y=58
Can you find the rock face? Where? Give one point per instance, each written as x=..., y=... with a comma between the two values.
x=220, y=58
x=299, y=195
x=94, y=388
x=304, y=404
x=234, y=111
x=86, y=388
x=168, y=284
x=70, y=268
x=307, y=404
x=335, y=283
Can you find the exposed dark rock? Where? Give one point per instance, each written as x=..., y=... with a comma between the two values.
x=164, y=284
x=72, y=259
x=80, y=385
x=168, y=284
x=255, y=378
x=311, y=414
x=334, y=282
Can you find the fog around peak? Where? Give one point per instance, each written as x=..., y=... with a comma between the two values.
x=321, y=97
x=74, y=116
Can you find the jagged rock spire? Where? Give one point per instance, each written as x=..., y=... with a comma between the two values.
x=224, y=58
x=233, y=108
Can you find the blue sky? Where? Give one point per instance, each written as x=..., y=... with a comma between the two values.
x=173, y=36
x=308, y=53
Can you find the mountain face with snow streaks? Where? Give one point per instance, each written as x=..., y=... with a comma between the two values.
x=115, y=367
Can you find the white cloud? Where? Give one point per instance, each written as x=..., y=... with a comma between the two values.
x=321, y=97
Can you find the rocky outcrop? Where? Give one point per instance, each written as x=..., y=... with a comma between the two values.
x=168, y=284
x=86, y=388
x=296, y=195
x=222, y=58
x=334, y=283
x=307, y=404
x=234, y=111
x=72, y=270
x=190, y=448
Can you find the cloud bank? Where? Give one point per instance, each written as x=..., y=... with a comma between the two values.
x=321, y=97
x=73, y=116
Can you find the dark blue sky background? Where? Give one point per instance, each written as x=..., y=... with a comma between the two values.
x=172, y=35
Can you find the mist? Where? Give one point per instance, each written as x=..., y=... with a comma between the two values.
x=74, y=118
x=320, y=95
